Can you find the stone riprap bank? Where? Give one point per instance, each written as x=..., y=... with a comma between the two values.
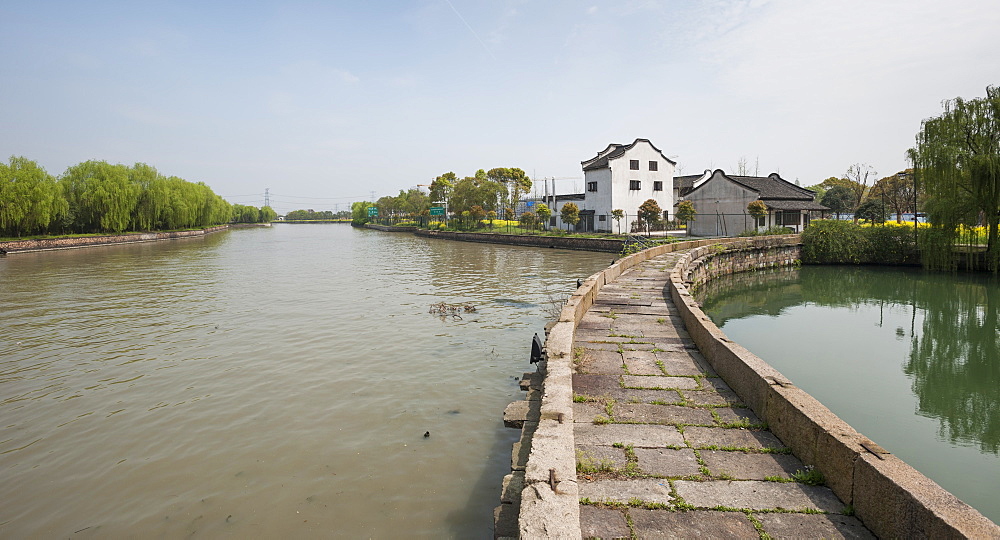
x=658, y=426
x=46, y=244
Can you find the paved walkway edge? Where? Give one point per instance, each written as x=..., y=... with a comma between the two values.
x=890, y=497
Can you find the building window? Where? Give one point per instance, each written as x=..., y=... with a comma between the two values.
x=602, y=217
x=633, y=164
x=761, y=221
x=653, y=166
x=789, y=218
x=666, y=215
x=657, y=185
x=633, y=185
x=592, y=186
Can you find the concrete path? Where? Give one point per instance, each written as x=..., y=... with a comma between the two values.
x=664, y=447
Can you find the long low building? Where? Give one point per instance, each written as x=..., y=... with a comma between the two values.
x=721, y=204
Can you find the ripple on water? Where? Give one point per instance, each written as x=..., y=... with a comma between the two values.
x=265, y=383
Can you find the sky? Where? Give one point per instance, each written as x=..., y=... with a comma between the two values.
x=323, y=103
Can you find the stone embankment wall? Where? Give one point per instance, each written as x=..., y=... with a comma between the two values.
x=890, y=497
x=560, y=242
x=389, y=228
x=87, y=241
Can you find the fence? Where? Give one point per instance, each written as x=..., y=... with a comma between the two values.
x=588, y=223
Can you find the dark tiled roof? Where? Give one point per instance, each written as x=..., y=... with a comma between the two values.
x=601, y=162
x=773, y=187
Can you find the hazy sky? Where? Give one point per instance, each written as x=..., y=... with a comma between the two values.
x=334, y=100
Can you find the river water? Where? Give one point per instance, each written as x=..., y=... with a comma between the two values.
x=909, y=358
x=266, y=383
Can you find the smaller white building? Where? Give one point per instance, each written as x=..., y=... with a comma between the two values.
x=622, y=177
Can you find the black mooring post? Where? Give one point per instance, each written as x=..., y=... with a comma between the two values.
x=537, y=354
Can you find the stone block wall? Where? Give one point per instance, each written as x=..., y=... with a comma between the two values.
x=45, y=244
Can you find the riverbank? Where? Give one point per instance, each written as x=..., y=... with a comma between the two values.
x=75, y=242
x=605, y=245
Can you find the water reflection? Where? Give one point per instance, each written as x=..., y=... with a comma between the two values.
x=907, y=358
x=953, y=358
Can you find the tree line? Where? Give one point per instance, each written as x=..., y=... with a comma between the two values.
x=954, y=180
x=99, y=197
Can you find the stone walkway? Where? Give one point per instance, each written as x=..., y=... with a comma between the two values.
x=664, y=447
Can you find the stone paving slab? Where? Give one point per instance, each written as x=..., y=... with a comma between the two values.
x=743, y=466
x=662, y=382
x=702, y=397
x=641, y=365
x=595, y=384
x=664, y=524
x=606, y=523
x=729, y=415
x=593, y=456
x=650, y=490
x=667, y=462
x=598, y=361
x=639, y=436
x=758, y=495
x=831, y=526
x=701, y=437
x=587, y=411
x=661, y=414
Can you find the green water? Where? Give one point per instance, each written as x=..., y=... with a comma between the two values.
x=910, y=359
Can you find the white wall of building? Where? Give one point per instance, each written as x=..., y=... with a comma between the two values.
x=614, y=185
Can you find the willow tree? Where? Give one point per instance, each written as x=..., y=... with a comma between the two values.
x=957, y=161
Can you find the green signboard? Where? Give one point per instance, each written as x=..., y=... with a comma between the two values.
x=437, y=210
x=372, y=211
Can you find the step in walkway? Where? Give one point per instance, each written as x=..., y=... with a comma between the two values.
x=664, y=448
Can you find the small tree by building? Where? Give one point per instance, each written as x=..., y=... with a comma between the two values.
x=757, y=210
x=528, y=220
x=685, y=212
x=544, y=213
x=617, y=215
x=649, y=213
x=570, y=214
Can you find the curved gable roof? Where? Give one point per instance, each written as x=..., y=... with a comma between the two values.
x=614, y=151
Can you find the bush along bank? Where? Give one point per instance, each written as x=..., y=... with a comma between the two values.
x=845, y=242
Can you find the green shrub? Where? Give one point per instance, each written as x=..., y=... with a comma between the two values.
x=844, y=242
x=828, y=241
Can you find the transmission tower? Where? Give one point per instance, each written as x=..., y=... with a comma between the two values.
x=267, y=197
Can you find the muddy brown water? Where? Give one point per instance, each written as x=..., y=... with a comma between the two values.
x=266, y=383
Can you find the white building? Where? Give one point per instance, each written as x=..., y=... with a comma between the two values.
x=622, y=176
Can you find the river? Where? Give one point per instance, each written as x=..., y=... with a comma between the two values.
x=266, y=383
x=909, y=358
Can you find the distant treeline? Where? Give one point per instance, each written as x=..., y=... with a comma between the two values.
x=312, y=215
x=98, y=197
